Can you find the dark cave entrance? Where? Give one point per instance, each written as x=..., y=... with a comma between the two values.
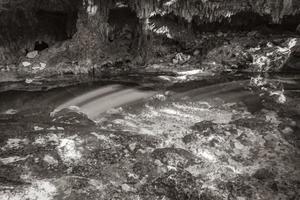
x=243, y=21
x=121, y=16
x=58, y=26
x=290, y=22
x=40, y=45
x=22, y=29
x=125, y=31
x=123, y=22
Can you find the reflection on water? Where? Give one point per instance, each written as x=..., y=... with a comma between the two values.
x=99, y=100
x=87, y=96
x=95, y=99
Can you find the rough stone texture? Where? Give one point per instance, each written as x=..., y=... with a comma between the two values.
x=93, y=28
x=142, y=151
x=197, y=11
x=213, y=10
x=25, y=22
x=113, y=40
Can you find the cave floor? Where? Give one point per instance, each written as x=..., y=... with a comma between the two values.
x=233, y=138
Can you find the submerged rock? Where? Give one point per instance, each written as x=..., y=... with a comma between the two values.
x=70, y=117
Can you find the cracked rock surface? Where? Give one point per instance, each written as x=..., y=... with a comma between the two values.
x=168, y=147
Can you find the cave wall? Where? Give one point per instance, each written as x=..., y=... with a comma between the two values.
x=21, y=24
x=109, y=30
x=198, y=12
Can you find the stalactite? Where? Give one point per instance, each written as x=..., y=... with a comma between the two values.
x=211, y=10
x=93, y=27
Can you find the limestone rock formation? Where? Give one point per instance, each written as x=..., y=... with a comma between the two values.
x=96, y=38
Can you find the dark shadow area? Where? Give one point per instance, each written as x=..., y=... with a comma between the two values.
x=243, y=21
x=22, y=26
x=119, y=17
x=59, y=25
x=21, y=29
x=247, y=21
x=169, y=19
x=125, y=31
x=40, y=45
x=290, y=22
x=123, y=22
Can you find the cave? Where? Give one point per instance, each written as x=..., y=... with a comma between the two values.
x=40, y=45
x=123, y=22
x=121, y=16
x=125, y=34
x=149, y=99
x=22, y=28
x=57, y=25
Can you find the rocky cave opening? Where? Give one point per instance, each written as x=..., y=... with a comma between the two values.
x=123, y=23
x=40, y=45
x=177, y=34
x=57, y=25
x=34, y=28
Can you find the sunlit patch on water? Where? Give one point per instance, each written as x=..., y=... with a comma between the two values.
x=100, y=100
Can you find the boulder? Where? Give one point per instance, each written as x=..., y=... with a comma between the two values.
x=32, y=54
x=26, y=64
x=71, y=116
